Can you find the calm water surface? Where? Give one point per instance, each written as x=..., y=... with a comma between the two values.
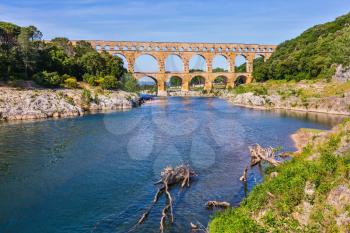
x=96, y=173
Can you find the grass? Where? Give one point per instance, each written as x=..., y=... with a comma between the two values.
x=256, y=89
x=309, y=130
x=303, y=90
x=326, y=172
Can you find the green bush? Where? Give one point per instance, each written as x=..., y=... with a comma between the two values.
x=90, y=79
x=326, y=171
x=254, y=88
x=86, y=97
x=131, y=84
x=71, y=82
x=109, y=82
x=47, y=79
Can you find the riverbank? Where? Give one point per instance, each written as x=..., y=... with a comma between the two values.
x=305, y=96
x=317, y=180
x=27, y=104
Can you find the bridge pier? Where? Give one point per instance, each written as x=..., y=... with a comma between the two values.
x=208, y=85
x=161, y=85
x=185, y=85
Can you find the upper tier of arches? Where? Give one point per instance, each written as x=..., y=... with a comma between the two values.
x=180, y=47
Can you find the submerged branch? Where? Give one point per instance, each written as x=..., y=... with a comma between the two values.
x=170, y=176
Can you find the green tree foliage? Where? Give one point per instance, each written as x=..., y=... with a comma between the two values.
x=70, y=82
x=313, y=54
x=220, y=79
x=109, y=82
x=23, y=55
x=241, y=68
x=47, y=79
x=196, y=70
x=197, y=80
x=8, y=41
x=218, y=70
x=130, y=83
x=175, y=81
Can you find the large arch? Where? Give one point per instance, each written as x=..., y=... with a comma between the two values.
x=259, y=56
x=146, y=63
x=122, y=56
x=174, y=83
x=242, y=79
x=220, y=64
x=240, y=64
x=197, y=83
x=198, y=63
x=174, y=63
x=220, y=82
x=148, y=84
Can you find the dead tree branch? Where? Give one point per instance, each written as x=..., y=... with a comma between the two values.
x=170, y=176
x=212, y=204
x=259, y=154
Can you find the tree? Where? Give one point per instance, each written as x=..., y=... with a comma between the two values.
x=218, y=70
x=82, y=47
x=26, y=40
x=312, y=55
x=241, y=68
x=130, y=83
x=197, y=80
x=175, y=81
x=65, y=44
x=8, y=41
x=113, y=65
x=220, y=79
x=93, y=63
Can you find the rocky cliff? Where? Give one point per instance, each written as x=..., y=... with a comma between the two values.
x=18, y=104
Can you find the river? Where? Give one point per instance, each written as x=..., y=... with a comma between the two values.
x=96, y=173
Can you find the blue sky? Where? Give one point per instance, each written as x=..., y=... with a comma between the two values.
x=248, y=21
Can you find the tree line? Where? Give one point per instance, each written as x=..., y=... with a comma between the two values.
x=25, y=56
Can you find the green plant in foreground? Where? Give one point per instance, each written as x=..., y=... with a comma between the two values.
x=86, y=97
x=48, y=79
x=71, y=82
x=326, y=171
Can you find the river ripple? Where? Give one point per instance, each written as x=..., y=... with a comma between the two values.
x=96, y=173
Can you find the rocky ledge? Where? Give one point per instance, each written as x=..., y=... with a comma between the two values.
x=23, y=104
x=332, y=104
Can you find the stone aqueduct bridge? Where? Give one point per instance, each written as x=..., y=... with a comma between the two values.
x=185, y=51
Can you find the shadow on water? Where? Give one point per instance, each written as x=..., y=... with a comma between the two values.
x=96, y=173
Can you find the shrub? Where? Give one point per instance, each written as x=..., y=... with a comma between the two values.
x=86, y=97
x=47, y=79
x=130, y=84
x=109, y=82
x=71, y=82
x=90, y=79
x=99, y=80
x=256, y=89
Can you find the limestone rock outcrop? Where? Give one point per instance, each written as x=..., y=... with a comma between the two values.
x=17, y=104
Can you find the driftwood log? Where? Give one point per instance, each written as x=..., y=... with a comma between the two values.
x=218, y=204
x=259, y=154
x=181, y=175
x=244, y=176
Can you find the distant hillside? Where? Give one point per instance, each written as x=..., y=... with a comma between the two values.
x=313, y=54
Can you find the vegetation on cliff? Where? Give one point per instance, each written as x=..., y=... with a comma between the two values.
x=309, y=193
x=313, y=54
